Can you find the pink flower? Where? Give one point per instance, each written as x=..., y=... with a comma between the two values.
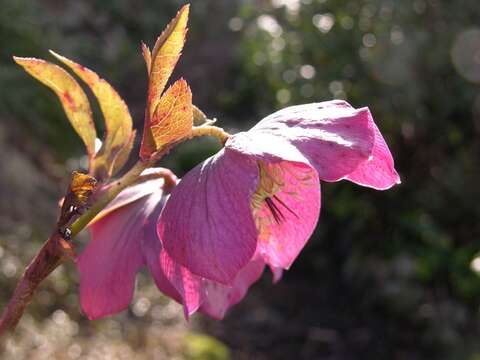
x=258, y=199
x=124, y=239
x=254, y=203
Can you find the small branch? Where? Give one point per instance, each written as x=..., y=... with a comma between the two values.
x=56, y=250
x=53, y=252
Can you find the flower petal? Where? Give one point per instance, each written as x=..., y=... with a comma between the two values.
x=207, y=225
x=135, y=192
x=188, y=285
x=219, y=298
x=266, y=147
x=378, y=171
x=277, y=274
x=163, y=269
x=287, y=219
x=188, y=289
x=335, y=137
x=109, y=263
x=151, y=248
x=171, y=278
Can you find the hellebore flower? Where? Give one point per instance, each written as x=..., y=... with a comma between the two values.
x=259, y=197
x=124, y=240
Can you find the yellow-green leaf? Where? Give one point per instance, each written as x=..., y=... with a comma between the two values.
x=73, y=98
x=115, y=112
x=124, y=154
x=199, y=116
x=165, y=55
x=173, y=119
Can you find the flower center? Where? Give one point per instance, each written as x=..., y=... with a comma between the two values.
x=270, y=183
x=267, y=205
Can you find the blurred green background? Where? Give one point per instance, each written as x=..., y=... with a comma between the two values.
x=387, y=275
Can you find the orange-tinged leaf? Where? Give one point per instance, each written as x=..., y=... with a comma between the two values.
x=147, y=55
x=79, y=191
x=173, y=119
x=81, y=187
x=148, y=147
x=115, y=112
x=165, y=54
x=73, y=98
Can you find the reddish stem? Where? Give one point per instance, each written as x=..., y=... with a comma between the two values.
x=53, y=252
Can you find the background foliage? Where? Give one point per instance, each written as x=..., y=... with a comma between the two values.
x=387, y=274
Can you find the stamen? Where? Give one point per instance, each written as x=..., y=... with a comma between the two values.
x=285, y=206
x=277, y=214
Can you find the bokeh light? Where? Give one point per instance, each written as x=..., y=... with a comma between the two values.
x=466, y=54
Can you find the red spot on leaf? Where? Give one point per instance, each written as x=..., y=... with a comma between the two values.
x=68, y=100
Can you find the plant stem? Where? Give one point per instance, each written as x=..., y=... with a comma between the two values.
x=126, y=180
x=159, y=173
x=48, y=258
x=209, y=130
x=56, y=250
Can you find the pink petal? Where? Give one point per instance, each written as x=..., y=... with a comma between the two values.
x=138, y=191
x=266, y=147
x=152, y=257
x=152, y=248
x=202, y=239
x=188, y=286
x=378, y=171
x=170, y=278
x=297, y=204
x=277, y=274
x=109, y=263
x=219, y=298
x=298, y=200
x=207, y=225
x=335, y=137
x=190, y=290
